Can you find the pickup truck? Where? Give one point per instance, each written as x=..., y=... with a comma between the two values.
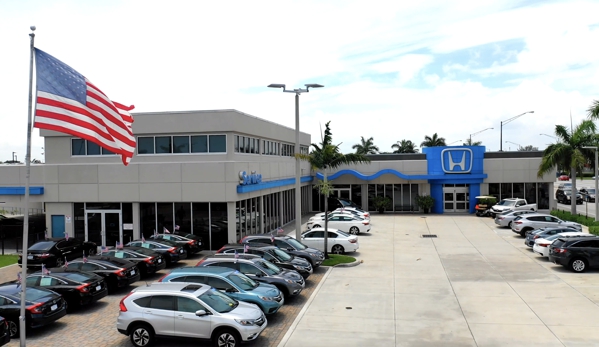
x=511, y=204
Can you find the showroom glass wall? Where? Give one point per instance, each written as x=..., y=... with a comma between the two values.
x=534, y=193
x=403, y=196
x=348, y=191
x=95, y=223
x=205, y=219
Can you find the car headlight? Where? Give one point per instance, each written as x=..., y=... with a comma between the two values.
x=289, y=281
x=266, y=298
x=312, y=255
x=246, y=321
x=298, y=267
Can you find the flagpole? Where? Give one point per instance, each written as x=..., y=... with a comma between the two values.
x=22, y=323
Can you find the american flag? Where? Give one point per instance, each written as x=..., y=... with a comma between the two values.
x=84, y=257
x=44, y=270
x=66, y=263
x=165, y=230
x=18, y=277
x=272, y=237
x=280, y=230
x=236, y=254
x=246, y=248
x=68, y=102
x=177, y=227
x=66, y=236
x=103, y=249
x=119, y=245
x=143, y=239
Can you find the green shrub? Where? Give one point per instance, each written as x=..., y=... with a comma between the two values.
x=594, y=230
x=567, y=216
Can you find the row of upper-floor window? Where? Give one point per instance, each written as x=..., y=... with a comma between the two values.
x=182, y=144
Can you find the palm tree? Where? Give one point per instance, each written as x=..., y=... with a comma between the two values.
x=326, y=156
x=366, y=146
x=404, y=146
x=569, y=152
x=433, y=141
x=593, y=110
x=469, y=142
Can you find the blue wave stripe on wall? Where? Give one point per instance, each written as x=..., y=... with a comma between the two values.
x=361, y=176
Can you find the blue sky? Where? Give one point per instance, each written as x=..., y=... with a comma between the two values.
x=392, y=70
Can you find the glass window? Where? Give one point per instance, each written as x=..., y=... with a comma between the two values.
x=147, y=218
x=199, y=144
x=236, y=143
x=180, y=144
x=249, y=269
x=163, y=302
x=164, y=215
x=518, y=190
x=252, y=145
x=494, y=190
x=543, y=193
x=163, y=144
x=506, y=191
x=188, y=305
x=183, y=216
x=143, y=302
x=218, y=144
x=530, y=193
x=356, y=194
x=92, y=148
x=219, y=226
x=107, y=152
x=145, y=145
x=201, y=222
x=77, y=147
x=218, y=283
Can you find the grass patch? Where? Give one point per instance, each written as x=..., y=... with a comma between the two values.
x=335, y=259
x=6, y=260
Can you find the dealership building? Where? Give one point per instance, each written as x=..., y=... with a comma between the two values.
x=225, y=174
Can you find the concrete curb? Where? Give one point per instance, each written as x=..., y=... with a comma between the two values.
x=355, y=263
x=297, y=319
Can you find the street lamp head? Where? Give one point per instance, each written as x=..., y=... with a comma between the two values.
x=276, y=85
x=314, y=85
x=531, y=111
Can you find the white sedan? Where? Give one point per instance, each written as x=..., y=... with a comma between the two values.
x=346, y=211
x=541, y=245
x=338, y=241
x=344, y=222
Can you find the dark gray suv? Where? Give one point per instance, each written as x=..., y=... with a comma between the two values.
x=289, y=282
x=289, y=245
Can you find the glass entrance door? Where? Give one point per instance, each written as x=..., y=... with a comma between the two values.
x=456, y=199
x=104, y=227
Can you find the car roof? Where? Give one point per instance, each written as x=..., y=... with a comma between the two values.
x=218, y=270
x=321, y=229
x=570, y=240
x=231, y=257
x=169, y=287
x=266, y=236
x=254, y=245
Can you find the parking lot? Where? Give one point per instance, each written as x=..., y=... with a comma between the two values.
x=96, y=325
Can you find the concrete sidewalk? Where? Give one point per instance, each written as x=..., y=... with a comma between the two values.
x=473, y=285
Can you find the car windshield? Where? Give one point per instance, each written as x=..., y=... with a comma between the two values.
x=144, y=251
x=42, y=246
x=343, y=233
x=79, y=277
x=296, y=244
x=590, y=191
x=282, y=254
x=507, y=203
x=507, y=212
x=34, y=294
x=269, y=267
x=218, y=301
x=242, y=281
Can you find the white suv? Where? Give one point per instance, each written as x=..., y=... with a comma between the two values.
x=187, y=310
x=523, y=223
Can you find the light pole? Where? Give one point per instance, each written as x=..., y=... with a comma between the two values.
x=453, y=142
x=517, y=144
x=478, y=132
x=298, y=191
x=505, y=122
x=553, y=137
x=596, y=180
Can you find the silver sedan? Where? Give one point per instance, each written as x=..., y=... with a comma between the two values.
x=505, y=219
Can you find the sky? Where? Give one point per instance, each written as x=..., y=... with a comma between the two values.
x=391, y=70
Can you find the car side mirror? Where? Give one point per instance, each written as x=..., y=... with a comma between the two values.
x=258, y=274
x=230, y=290
x=290, y=249
x=201, y=313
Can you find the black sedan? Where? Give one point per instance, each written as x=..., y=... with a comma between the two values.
x=190, y=245
x=53, y=252
x=147, y=261
x=43, y=306
x=190, y=236
x=4, y=332
x=116, y=272
x=76, y=287
x=171, y=254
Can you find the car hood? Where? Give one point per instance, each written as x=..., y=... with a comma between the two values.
x=265, y=289
x=299, y=261
x=245, y=310
x=290, y=275
x=313, y=250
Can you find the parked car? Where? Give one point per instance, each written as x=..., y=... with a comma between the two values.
x=232, y=282
x=523, y=223
x=338, y=241
x=352, y=225
x=178, y=248
x=576, y=253
x=76, y=287
x=190, y=236
x=588, y=194
x=543, y=244
x=347, y=211
x=513, y=204
x=289, y=282
x=274, y=255
x=190, y=245
x=53, y=252
x=565, y=197
x=42, y=306
x=563, y=178
x=202, y=313
x=289, y=245
x=4, y=331
x=532, y=235
x=146, y=260
x=170, y=253
x=505, y=218
x=117, y=272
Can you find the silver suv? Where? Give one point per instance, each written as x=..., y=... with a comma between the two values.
x=523, y=223
x=187, y=310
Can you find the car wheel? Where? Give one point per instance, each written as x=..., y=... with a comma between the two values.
x=578, y=265
x=13, y=328
x=226, y=338
x=509, y=225
x=315, y=226
x=354, y=230
x=523, y=233
x=142, y=335
x=59, y=262
x=337, y=249
x=92, y=251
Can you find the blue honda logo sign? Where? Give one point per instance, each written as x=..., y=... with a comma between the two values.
x=456, y=160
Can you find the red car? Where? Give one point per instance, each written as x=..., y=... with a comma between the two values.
x=564, y=178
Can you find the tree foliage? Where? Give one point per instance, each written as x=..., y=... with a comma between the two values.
x=529, y=148
x=366, y=146
x=433, y=141
x=404, y=146
x=469, y=142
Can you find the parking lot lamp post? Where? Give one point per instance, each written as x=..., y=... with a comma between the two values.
x=517, y=144
x=298, y=192
x=553, y=137
x=505, y=122
x=596, y=179
x=478, y=132
x=449, y=144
